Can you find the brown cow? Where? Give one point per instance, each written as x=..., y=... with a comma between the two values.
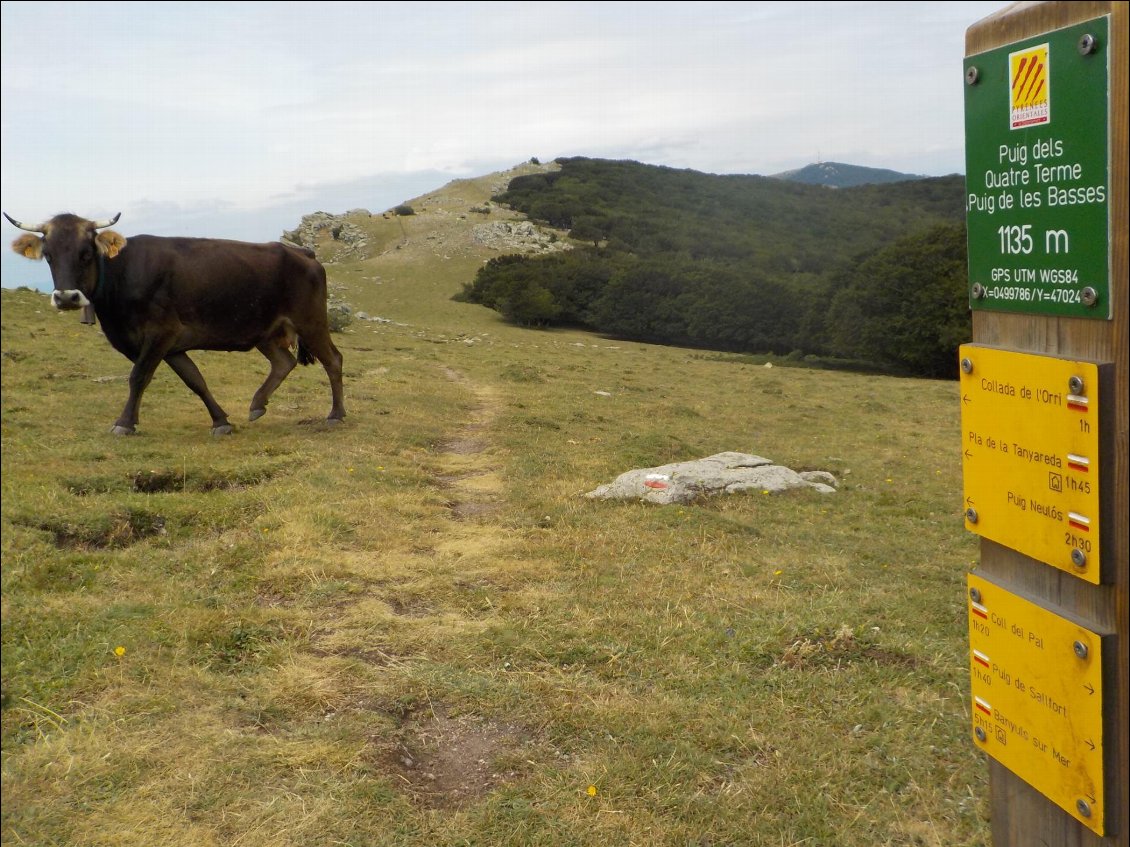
x=157, y=298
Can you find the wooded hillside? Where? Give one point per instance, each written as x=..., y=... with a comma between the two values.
x=873, y=275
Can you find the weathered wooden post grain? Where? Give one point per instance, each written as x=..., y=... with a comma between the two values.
x=1044, y=418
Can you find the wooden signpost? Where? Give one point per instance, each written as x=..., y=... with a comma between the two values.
x=1044, y=418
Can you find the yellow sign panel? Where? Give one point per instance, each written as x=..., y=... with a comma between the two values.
x=1037, y=698
x=1030, y=455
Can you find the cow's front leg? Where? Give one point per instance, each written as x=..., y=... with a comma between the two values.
x=186, y=369
x=139, y=377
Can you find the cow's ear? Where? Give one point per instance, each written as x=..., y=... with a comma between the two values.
x=29, y=246
x=109, y=243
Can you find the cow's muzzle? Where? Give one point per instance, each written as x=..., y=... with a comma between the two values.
x=69, y=300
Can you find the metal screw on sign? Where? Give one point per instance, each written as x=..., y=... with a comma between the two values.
x=980, y=733
x=1088, y=44
x=1089, y=296
x=1083, y=807
x=1078, y=558
x=1081, y=650
x=971, y=75
x=967, y=365
x=978, y=291
x=1076, y=385
x=975, y=595
x=971, y=515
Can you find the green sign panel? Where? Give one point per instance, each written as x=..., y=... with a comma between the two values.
x=1038, y=174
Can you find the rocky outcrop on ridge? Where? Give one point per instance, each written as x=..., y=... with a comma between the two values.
x=314, y=227
x=518, y=237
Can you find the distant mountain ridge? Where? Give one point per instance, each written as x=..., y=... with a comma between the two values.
x=839, y=175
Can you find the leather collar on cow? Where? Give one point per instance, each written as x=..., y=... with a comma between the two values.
x=87, y=316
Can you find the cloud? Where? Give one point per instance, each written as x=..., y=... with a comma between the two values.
x=224, y=108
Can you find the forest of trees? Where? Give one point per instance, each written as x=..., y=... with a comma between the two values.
x=872, y=275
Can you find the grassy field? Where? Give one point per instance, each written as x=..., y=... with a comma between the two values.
x=413, y=629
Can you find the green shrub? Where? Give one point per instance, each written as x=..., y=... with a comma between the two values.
x=340, y=315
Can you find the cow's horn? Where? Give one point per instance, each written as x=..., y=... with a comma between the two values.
x=104, y=224
x=16, y=223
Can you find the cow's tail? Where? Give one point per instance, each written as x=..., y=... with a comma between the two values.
x=305, y=357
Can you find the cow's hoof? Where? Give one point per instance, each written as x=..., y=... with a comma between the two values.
x=222, y=429
x=333, y=421
x=118, y=429
x=256, y=414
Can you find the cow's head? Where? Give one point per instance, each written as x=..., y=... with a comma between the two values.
x=71, y=245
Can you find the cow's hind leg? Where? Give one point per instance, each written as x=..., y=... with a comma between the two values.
x=186, y=369
x=324, y=351
x=282, y=363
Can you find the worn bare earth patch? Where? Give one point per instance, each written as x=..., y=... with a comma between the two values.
x=465, y=469
x=446, y=761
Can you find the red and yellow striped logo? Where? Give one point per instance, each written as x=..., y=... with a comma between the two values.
x=1029, y=94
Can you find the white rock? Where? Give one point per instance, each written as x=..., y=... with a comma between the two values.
x=725, y=473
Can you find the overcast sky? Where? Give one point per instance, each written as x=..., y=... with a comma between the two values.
x=234, y=119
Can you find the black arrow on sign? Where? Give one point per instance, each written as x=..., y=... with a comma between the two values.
x=1090, y=689
x=969, y=501
x=1092, y=799
x=1090, y=744
x=968, y=455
